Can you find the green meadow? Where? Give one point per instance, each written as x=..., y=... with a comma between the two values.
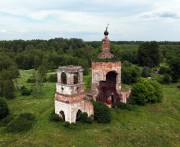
x=154, y=125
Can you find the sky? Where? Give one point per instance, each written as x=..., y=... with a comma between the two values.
x=129, y=20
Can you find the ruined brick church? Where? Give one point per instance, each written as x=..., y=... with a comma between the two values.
x=70, y=97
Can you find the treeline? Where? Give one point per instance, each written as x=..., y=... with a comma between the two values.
x=44, y=55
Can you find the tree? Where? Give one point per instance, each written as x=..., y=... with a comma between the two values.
x=4, y=110
x=146, y=91
x=174, y=65
x=8, y=89
x=149, y=54
x=130, y=73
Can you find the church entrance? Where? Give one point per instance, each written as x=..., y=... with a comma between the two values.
x=107, y=89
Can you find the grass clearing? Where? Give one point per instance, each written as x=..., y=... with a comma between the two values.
x=152, y=125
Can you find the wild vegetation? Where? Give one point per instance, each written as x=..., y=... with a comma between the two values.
x=27, y=85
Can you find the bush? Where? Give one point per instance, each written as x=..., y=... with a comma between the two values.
x=53, y=78
x=146, y=91
x=22, y=123
x=70, y=126
x=84, y=118
x=31, y=80
x=130, y=73
x=164, y=70
x=25, y=91
x=121, y=105
x=4, y=110
x=8, y=89
x=166, y=79
x=145, y=72
x=102, y=113
x=55, y=117
x=5, y=121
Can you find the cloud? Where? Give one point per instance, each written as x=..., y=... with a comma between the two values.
x=3, y=31
x=163, y=14
x=44, y=19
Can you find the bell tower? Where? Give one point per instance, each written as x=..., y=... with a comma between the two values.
x=70, y=98
x=106, y=76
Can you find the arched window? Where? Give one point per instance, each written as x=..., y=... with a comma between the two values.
x=75, y=78
x=63, y=78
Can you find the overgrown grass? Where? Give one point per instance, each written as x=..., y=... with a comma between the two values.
x=154, y=125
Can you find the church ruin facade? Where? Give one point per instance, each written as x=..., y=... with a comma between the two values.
x=106, y=76
x=70, y=98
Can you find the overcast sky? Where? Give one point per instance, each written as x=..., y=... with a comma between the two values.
x=87, y=19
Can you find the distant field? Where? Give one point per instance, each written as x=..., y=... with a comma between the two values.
x=156, y=125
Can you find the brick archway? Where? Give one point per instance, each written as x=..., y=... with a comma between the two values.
x=107, y=89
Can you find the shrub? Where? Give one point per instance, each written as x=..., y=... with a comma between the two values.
x=55, y=117
x=66, y=124
x=164, y=70
x=69, y=126
x=145, y=72
x=8, y=88
x=102, y=113
x=84, y=118
x=31, y=80
x=146, y=91
x=5, y=121
x=4, y=110
x=22, y=123
x=166, y=79
x=53, y=78
x=25, y=91
x=130, y=73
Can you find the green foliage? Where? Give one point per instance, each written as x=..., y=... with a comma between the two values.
x=52, y=78
x=145, y=72
x=4, y=110
x=8, y=89
x=174, y=64
x=5, y=121
x=164, y=70
x=166, y=79
x=149, y=54
x=102, y=113
x=130, y=73
x=142, y=126
x=25, y=91
x=22, y=123
x=31, y=80
x=146, y=91
x=84, y=118
x=55, y=117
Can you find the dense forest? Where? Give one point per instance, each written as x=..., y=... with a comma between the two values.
x=45, y=55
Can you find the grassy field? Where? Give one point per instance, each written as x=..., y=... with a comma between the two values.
x=156, y=125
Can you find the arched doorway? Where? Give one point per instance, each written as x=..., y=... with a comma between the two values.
x=62, y=115
x=78, y=114
x=107, y=89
